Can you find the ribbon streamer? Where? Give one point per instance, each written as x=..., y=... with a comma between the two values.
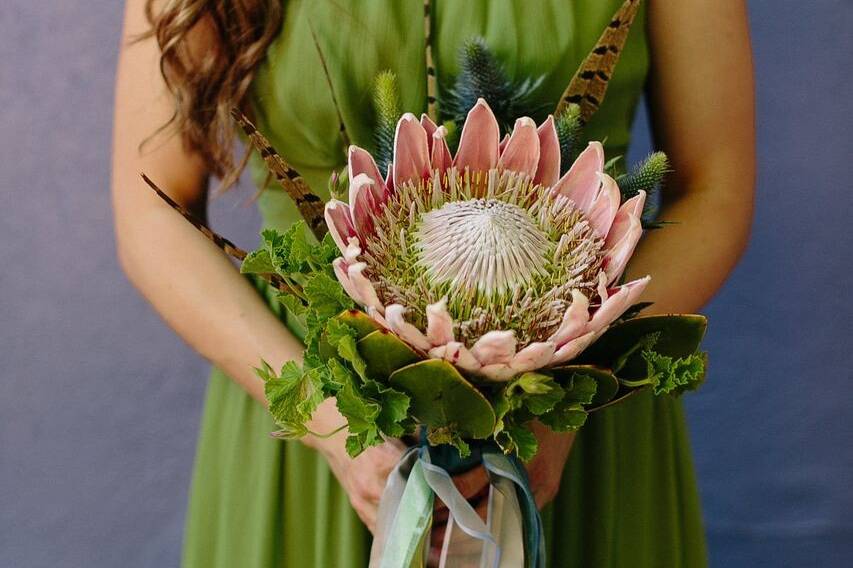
x=511, y=537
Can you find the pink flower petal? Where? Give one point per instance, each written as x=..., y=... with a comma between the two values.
x=457, y=354
x=361, y=162
x=533, y=357
x=340, y=223
x=617, y=257
x=636, y=287
x=573, y=348
x=522, y=150
x=440, y=158
x=439, y=323
x=502, y=145
x=604, y=206
x=631, y=209
x=377, y=317
x=407, y=332
x=625, y=296
x=478, y=146
x=340, y=267
x=603, y=294
x=574, y=320
x=429, y=127
x=352, y=251
x=389, y=177
x=411, y=151
x=499, y=372
x=364, y=287
x=363, y=204
x=495, y=347
x=548, y=170
x=580, y=184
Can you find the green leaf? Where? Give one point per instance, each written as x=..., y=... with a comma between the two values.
x=342, y=337
x=565, y=418
x=384, y=353
x=674, y=376
x=293, y=304
x=361, y=414
x=446, y=435
x=679, y=336
x=606, y=383
x=569, y=414
x=359, y=321
x=519, y=439
x=540, y=392
x=293, y=396
x=301, y=249
x=325, y=295
x=394, y=409
x=442, y=398
x=582, y=390
x=257, y=262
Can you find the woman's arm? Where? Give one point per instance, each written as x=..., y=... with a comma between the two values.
x=186, y=278
x=702, y=106
x=192, y=284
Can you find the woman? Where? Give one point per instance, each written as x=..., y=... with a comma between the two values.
x=625, y=495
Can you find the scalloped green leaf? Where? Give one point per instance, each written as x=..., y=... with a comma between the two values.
x=608, y=384
x=384, y=353
x=442, y=398
x=679, y=336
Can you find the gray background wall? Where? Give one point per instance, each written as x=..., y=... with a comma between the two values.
x=99, y=402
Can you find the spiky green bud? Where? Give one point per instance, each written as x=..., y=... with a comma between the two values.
x=483, y=76
x=647, y=176
x=386, y=104
x=569, y=128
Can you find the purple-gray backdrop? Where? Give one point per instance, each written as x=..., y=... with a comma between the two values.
x=99, y=402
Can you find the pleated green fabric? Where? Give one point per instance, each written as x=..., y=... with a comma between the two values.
x=628, y=497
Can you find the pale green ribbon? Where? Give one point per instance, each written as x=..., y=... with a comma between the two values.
x=511, y=539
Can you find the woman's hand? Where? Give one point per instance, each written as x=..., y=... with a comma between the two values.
x=363, y=477
x=545, y=472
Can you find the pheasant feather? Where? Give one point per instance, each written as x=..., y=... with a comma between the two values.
x=310, y=205
x=589, y=84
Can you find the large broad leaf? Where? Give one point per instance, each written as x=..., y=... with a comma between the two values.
x=362, y=323
x=384, y=353
x=677, y=336
x=442, y=398
x=608, y=385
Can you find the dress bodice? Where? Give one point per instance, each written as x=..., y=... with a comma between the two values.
x=293, y=100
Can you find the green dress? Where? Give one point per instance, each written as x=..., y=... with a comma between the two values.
x=628, y=496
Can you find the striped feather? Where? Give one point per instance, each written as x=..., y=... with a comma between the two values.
x=310, y=205
x=224, y=244
x=432, y=89
x=589, y=85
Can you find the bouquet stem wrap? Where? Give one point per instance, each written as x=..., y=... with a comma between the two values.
x=510, y=537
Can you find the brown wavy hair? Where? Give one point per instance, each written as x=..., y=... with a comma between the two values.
x=206, y=85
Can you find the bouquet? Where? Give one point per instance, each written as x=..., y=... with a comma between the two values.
x=458, y=295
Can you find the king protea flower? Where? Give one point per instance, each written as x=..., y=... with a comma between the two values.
x=489, y=259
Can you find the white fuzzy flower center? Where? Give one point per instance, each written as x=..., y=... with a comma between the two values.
x=483, y=244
